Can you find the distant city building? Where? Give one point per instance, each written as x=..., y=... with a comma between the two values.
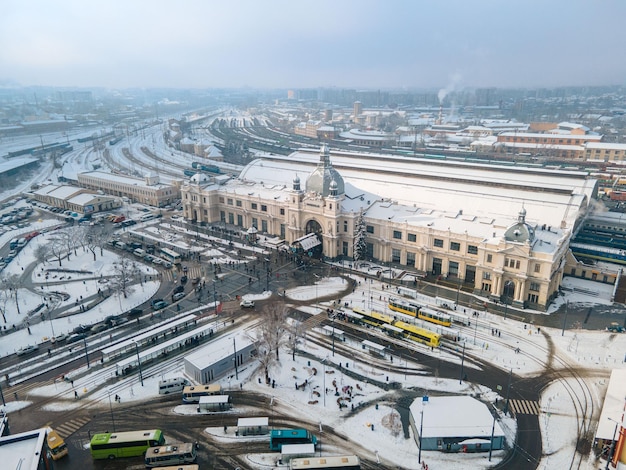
x=146, y=191
x=480, y=225
x=308, y=128
x=357, y=109
x=369, y=138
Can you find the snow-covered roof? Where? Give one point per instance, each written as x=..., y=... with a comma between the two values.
x=614, y=405
x=455, y=416
x=84, y=198
x=128, y=180
x=218, y=349
x=22, y=450
x=538, y=135
x=605, y=146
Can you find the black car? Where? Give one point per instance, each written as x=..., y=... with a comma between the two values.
x=76, y=337
x=183, y=279
x=179, y=289
x=135, y=312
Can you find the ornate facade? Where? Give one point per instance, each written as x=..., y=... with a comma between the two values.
x=412, y=216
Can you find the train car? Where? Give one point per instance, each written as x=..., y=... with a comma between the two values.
x=402, y=306
x=459, y=318
x=419, y=335
x=434, y=316
x=116, y=140
x=189, y=172
x=373, y=318
x=205, y=167
x=354, y=317
x=602, y=253
x=393, y=331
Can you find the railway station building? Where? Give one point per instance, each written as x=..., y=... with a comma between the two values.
x=500, y=231
x=148, y=190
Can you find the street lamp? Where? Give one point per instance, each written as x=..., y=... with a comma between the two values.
x=493, y=428
x=419, y=454
x=86, y=353
x=111, y=408
x=508, y=389
x=610, y=454
x=139, y=363
x=565, y=319
x=462, y=361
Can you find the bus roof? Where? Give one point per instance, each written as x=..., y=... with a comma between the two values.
x=124, y=436
x=183, y=448
x=202, y=388
x=288, y=433
x=54, y=440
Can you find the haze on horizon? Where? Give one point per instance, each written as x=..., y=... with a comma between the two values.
x=287, y=44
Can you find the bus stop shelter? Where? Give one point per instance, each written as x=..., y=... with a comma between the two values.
x=253, y=426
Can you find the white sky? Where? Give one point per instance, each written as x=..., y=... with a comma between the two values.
x=366, y=43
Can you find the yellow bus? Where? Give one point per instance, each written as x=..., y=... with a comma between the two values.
x=56, y=444
x=192, y=393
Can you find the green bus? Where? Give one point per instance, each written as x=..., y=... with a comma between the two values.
x=111, y=445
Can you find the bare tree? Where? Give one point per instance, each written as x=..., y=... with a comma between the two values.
x=296, y=333
x=274, y=328
x=42, y=252
x=4, y=298
x=97, y=236
x=126, y=271
x=12, y=284
x=59, y=245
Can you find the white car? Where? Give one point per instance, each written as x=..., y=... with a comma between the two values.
x=247, y=304
x=27, y=349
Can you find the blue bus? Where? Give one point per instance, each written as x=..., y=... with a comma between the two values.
x=280, y=437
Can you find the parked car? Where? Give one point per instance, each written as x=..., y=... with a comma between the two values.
x=26, y=350
x=179, y=289
x=99, y=328
x=247, y=303
x=135, y=312
x=159, y=305
x=58, y=338
x=177, y=296
x=76, y=337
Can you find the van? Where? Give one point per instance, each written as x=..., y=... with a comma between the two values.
x=173, y=385
x=147, y=217
x=139, y=252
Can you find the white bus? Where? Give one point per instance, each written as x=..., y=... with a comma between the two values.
x=177, y=384
x=193, y=393
x=170, y=255
x=174, y=454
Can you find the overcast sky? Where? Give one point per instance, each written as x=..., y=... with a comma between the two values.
x=321, y=43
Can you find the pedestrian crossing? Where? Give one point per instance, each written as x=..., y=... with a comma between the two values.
x=192, y=272
x=524, y=407
x=70, y=427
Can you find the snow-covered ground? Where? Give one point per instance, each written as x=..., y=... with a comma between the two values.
x=593, y=350
x=596, y=351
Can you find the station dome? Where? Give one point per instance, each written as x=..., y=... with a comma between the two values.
x=320, y=179
x=521, y=231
